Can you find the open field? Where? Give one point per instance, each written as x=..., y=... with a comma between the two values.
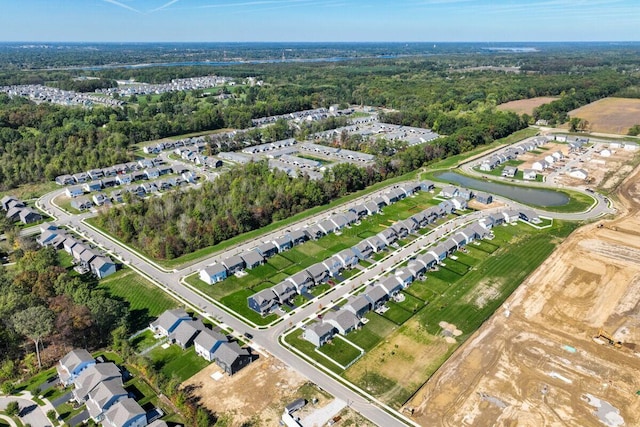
x=406, y=345
x=609, y=115
x=146, y=301
x=535, y=362
x=526, y=106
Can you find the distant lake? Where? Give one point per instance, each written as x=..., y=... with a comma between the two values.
x=529, y=196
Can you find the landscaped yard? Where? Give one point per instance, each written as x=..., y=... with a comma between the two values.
x=399, y=359
x=146, y=301
x=341, y=351
x=174, y=361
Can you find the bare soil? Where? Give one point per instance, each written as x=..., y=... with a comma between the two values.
x=609, y=115
x=526, y=106
x=536, y=362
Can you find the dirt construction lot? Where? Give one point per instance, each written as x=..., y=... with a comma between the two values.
x=536, y=362
x=609, y=115
x=526, y=106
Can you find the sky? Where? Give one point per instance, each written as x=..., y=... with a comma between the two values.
x=318, y=20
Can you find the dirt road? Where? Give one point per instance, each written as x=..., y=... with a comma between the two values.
x=535, y=362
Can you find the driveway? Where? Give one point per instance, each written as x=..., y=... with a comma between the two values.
x=79, y=419
x=62, y=399
x=30, y=412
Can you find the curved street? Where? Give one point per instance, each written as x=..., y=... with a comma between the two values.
x=268, y=339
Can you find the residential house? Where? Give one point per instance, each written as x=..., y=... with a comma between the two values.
x=411, y=225
x=69, y=244
x=405, y=276
x=339, y=221
x=100, y=199
x=72, y=364
x=169, y=321
x=234, y=263
x=388, y=236
x=213, y=273
x=416, y=268
x=359, y=210
x=109, y=182
x=451, y=246
x=285, y=291
x=348, y=258
x=298, y=237
x=465, y=194
x=87, y=256
x=459, y=203
x=530, y=216
x=377, y=296
x=95, y=174
x=252, y=259
x=65, y=180
x=400, y=229
x=550, y=159
x=267, y=249
x=557, y=155
x=318, y=272
x=359, y=305
x=186, y=332
x=124, y=179
x=350, y=217
x=207, y=342
x=428, y=259
x=92, y=186
x=439, y=252
x=344, y=321
x=327, y=226
x=372, y=207
x=427, y=186
x=103, y=396
x=391, y=285
x=138, y=176
x=314, y=232
x=102, y=266
x=529, y=174
x=334, y=265
x=509, y=171
x=376, y=243
x=283, y=243
x=152, y=173
x=74, y=191
x=449, y=191
x=363, y=250
x=539, y=165
x=231, y=358
x=318, y=333
x=91, y=376
x=302, y=281
x=380, y=202
x=262, y=302
x=484, y=198
x=80, y=178
x=578, y=173
x=511, y=216
x=125, y=413
x=29, y=216
x=489, y=164
x=81, y=203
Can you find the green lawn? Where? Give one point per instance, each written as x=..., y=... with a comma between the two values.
x=396, y=313
x=146, y=301
x=143, y=341
x=174, y=361
x=373, y=332
x=340, y=351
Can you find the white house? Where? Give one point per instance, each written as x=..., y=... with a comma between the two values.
x=539, y=165
x=579, y=174
x=529, y=174
x=605, y=153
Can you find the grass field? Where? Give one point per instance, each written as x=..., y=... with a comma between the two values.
x=341, y=351
x=405, y=345
x=174, y=361
x=146, y=301
x=609, y=115
x=526, y=106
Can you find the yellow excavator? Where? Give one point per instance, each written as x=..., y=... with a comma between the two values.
x=602, y=334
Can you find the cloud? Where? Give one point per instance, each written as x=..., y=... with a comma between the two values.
x=124, y=6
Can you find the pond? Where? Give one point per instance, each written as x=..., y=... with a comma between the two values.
x=529, y=196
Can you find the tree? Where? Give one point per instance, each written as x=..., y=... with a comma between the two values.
x=35, y=323
x=12, y=409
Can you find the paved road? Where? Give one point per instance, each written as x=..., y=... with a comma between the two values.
x=269, y=339
x=31, y=412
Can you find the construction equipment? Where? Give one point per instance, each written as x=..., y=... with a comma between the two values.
x=602, y=334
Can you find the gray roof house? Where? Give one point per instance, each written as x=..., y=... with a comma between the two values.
x=186, y=331
x=484, y=198
x=314, y=232
x=231, y=357
x=298, y=237
x=334, y=265
x=359, y=305
x=416, y=268
x=450, y=246
x=125, y=413
x=344, y=321
x=400, y=229
x=363, y=249
x=318, y=333
x=72, y=364
x=103, y=396
x=284, y=291
x=102, y=266
x=376, y=243
x=69, y=244
x=91, y=377
x=372, y=207
x=348, y=257
x=359, y=210
x=77, y=251
x=252, y=259
x=301, y=281
x=428, y=259
x=262, y=302
x=233, y=263
x=169, y=321
x=283, y=243
x=327, y=226
x=388, y=236
x=377, y=296
x=207, y=342
x=87, y=256
x=213, y=273
x=318, y=272
x=267, y=249
x=391, y=285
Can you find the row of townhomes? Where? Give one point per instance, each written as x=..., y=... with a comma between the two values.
x=374, y=129
x=86, y=258
x=17, y=210
x=269, y=299
x=349, y=317
x=41, y=93
x=334, y=223
x=306, y=115
x=214, y=346
x=130, y=87
x=512, y=153
x=100, y=387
